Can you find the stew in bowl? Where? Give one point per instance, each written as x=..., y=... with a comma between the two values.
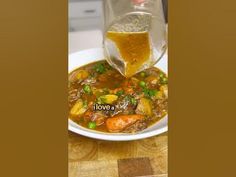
x=100, y=98
x=111, y=107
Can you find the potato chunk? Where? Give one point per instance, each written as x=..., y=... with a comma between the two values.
x=82, y=74
x=78, y=108
x=108, y=99
x=144, y=107
x=164, y=89
x=152, y=79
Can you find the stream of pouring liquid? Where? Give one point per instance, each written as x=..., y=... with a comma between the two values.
x=134, y=48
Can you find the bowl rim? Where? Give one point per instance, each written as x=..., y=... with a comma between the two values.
x=93, y=55
x=114, y=137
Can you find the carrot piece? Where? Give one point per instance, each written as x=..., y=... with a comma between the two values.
x=119, y=123
x=116, y=90
x=129, y=90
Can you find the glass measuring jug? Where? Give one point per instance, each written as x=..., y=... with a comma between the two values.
x=135, y=34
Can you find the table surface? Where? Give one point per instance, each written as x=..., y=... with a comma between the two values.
x=97, y=158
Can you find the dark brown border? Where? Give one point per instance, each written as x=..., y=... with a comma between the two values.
x=34, y=82
x=202, y=82
x=33, y=74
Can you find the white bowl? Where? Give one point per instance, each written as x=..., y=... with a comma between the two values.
x=87, y=56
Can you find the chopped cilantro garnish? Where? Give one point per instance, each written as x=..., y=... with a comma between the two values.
x=87, y=89
x=120, y=92
x=100, y=68
x=85, y=103
x=149, y=92
x=131, y=99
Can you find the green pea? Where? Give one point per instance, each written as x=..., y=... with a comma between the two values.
x=164, y=80
x=142, y=74
x=142, y=84
x=161, y=75
x=92, y=125
x=87, y=89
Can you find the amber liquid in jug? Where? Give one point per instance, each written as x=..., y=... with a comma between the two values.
x=134, y=41
x=134, y=48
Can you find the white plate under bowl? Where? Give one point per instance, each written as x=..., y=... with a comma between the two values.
x=81, y=58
